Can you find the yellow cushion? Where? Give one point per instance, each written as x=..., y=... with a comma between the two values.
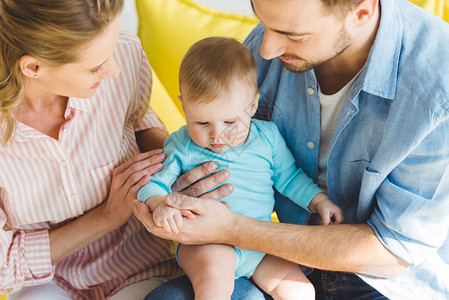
x=164, y=107
x=438, y=7
x=168, y=28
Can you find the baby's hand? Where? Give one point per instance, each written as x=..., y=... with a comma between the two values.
x=167, y=217
x=330, y=212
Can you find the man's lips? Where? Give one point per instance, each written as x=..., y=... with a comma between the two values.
x=288, y=60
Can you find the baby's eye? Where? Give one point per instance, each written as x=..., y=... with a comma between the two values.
x=230, y=122
x=202, y=123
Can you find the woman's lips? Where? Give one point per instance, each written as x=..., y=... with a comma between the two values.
x=96, y=85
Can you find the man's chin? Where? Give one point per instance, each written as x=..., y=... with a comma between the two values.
x=297, y=69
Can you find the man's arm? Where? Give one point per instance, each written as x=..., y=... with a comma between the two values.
x=344, y=247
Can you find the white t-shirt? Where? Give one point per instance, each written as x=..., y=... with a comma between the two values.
x=330, y=108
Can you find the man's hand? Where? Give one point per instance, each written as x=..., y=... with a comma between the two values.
x=210, y=225
x=195, y=184
x=190, y=192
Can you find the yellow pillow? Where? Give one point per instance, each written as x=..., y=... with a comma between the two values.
x=167, y=28
x=438, y=7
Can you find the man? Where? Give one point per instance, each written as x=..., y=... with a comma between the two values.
x=359, y=90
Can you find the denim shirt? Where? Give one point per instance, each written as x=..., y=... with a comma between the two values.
x=389, y=161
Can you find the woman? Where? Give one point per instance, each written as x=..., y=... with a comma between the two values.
x=74, y=95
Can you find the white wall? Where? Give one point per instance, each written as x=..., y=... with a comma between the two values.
x=233, y=6
x=129, y=15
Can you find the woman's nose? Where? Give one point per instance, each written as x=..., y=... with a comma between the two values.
x=111, y=68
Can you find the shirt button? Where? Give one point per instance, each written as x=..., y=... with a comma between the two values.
x=310, y=145
x=63, y=163
x=310, y=91
x=73, y=197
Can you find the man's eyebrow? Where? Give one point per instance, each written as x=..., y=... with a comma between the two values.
x=288, y=33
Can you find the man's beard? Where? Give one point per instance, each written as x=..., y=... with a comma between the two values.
x=343, y=42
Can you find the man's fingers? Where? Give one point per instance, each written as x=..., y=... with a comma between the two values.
x=187, y=213
x=220, y=192
x=142, y=212
x=182, y=202
x=206, y=184
x=193, y=176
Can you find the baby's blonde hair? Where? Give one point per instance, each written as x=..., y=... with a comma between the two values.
x=210, y=66
x=51, y=31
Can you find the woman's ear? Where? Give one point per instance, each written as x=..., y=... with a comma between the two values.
x=255, y=105
x=29, y=66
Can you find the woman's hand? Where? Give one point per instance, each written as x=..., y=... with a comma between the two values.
x=127, y=179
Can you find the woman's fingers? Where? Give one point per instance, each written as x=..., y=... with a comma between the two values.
x=144, y=163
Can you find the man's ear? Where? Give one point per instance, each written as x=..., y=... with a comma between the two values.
x=29, y=66
x=255, y=104
x=364, y=11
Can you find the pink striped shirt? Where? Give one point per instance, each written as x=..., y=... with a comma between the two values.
x=45, y=183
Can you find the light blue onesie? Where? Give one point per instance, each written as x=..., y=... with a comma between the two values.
x=262, y=162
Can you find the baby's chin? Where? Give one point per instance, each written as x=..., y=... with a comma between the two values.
x=218, y=150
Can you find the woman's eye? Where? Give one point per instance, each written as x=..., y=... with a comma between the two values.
x=95, y=71
x=229, y=122
x=203, y=123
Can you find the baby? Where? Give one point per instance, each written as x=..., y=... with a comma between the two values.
x=219, y=96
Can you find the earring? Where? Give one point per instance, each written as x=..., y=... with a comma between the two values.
x=36, y=76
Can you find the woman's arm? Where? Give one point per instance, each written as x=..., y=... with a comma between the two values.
x=116, y=210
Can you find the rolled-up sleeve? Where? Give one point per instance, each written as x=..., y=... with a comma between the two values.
x=24, y=259
x=411, y=217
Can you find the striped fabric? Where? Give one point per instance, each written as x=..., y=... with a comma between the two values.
x=45, y=183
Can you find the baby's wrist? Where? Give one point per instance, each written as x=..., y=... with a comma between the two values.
x=316, y=200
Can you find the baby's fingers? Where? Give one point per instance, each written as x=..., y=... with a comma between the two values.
x=338, y=218
x=326, y=218
x=166, y=226
x=173, y=224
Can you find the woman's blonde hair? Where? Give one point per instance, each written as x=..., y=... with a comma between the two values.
x=210, y=66
x=49, y=30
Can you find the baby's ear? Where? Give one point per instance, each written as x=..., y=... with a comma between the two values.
x=255, y=104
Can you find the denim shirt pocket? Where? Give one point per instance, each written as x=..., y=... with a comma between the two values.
x=371, y=180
